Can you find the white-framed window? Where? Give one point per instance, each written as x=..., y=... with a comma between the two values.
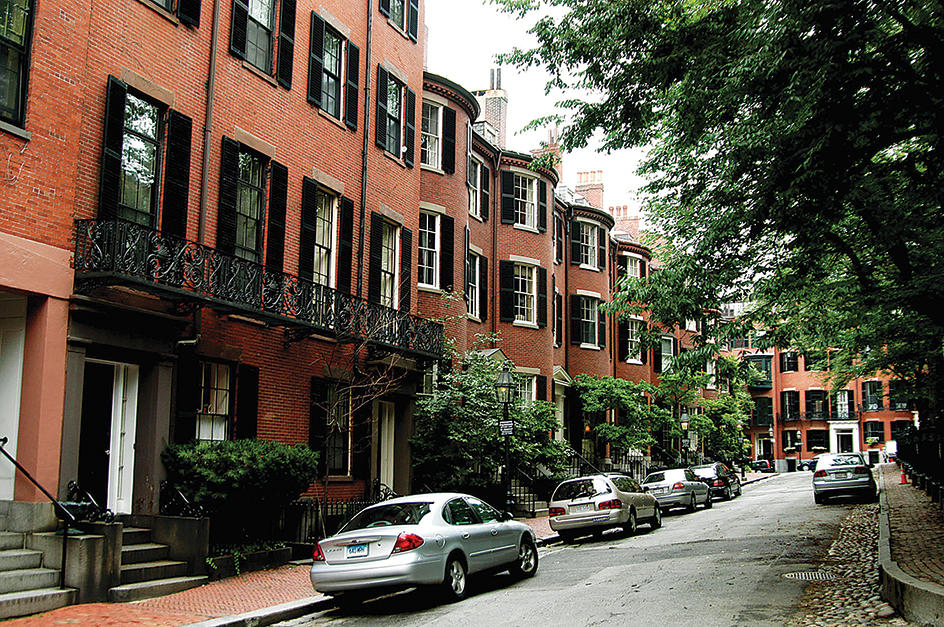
x=428, y=250
x=398, y=13
x=389, y=268
x=711, y=368
x=475, y=183
x=526, y=388
x=666, y=349
x=633, y=266
x=634, y=328
x=250, y=205
x=691, y=325
x=428, y=382
x=588, y=321
x=394, y=116
x=431, y=135
x=472, y=293
x=332, y=82
x=588, y=244
x=259, y=34
x=526, y=213
x=872, y=397
x=213, y=418
x=525, y=294
x=324, y=239
x=338, y=440
x=843, y=406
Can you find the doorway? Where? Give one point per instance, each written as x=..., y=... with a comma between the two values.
x=385, y=426
x=106, y=441
x=844, y=439
x=12, y=346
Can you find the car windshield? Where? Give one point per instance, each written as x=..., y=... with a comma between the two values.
x=705, y=471
x=581, y=488
x=389, y=514
x=845, y=460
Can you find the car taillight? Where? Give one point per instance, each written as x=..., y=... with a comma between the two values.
x=318, y=554
x=611, y=504
x=556, y=511
x=407, y=542
x=819, y=473
x=679, y=486
x=718, y=483
x=862, y=470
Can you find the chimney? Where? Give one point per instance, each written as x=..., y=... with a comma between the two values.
x=590, y=186
x=494, y=106
x=552, y=147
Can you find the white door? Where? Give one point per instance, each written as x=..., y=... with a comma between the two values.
x=385, y=423
x=12, y=340
x=121, y=444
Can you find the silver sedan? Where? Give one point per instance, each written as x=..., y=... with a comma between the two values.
x=426, y=539
x=678, y=487
x=597, y=502
x=843, y=474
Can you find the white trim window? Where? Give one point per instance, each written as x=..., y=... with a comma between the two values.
x=431, y=135
x=472, y=294
x=588, y=322
x=526, y=388
x=324, y=240
x=843, y=404
x=634, y=329
x=332, y=81
x=525, y=294
x=667, y=351
x=215, y=406
x=428, y=250
x=588, y=245
x=633, y=266
x=711, y=369
x=526, y=212
x=339, y=437
x=389, y=268
x=475, y=183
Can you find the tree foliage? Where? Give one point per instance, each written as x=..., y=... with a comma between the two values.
x=794, y=162
x=636, y=417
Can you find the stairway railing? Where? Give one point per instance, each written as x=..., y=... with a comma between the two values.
x=64, y=514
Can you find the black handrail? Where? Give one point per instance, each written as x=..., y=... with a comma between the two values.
x=66, y=516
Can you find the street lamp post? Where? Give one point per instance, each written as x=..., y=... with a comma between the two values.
x=685, y=442
x=504, y=390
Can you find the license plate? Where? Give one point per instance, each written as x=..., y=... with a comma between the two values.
x=586, y=507
x=841, y=475
x=659, y=490
x=357, y=550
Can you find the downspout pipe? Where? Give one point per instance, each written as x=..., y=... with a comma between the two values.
x=364, y=152
x=208, y=122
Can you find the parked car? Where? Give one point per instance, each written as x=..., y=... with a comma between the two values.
x=762, y=465
x=597, y=502
x=426, y=539
x=678, y=487
x=843, y=474
x=722, y=480
x=810, y=464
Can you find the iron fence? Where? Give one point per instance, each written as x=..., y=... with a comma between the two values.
x=307, y=520
x=921, y=451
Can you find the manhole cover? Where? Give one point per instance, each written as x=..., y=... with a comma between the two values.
x=818, y=575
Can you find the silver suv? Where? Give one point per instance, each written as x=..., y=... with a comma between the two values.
x=594, y=503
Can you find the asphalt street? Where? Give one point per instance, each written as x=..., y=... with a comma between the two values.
x=721, y=567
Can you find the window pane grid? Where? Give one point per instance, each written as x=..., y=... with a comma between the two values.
x=338, y=441
x=472, y=285
x=588, y=244
x=394, y=106
x=525, y=211
x=249, y=202
x=331, y=82
x=634, y=331
x=139, y=161
x=213, y=416
x=429, y=140
x=474, y=175
x=427, y=249
x=588, y=318
x=259, y=34
x=323, y=240
x=524, y=293
x=388, y=266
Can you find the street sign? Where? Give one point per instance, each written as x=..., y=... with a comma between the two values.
x=506, y=427
x=686, y=442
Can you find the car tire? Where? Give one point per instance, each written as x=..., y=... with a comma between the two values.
x=691, y=506
x=656, y=521
x=739, y=490
x=527, y=563
x=567, y=537
x=455, y=581
x=819, y=499
x=708, y=500
x=728, y=493
x=630, y=527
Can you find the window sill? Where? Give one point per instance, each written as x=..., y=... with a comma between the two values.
x=525, y=227
x=477, y=216
x=16, y=131
x=163, y=12
x=584, y=266
x=252, y=68
x=524, y=324
x=394, y=158
x=473, y=318
x=430, y=289
x=399, y=28
x=591, y=347
x=634, y=362
x=431, y=168
x=332, y=119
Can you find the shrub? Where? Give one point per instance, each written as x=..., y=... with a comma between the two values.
x=243, y=485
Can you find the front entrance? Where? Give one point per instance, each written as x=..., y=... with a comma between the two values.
x=106, y=443
x=385, y=426
x=844, y=438
x=12, y=343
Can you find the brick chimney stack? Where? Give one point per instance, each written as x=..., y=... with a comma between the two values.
x=590, y=186
x=552, y=147
x=493, y=103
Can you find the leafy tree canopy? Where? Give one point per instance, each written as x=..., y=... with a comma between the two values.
x=794, y=161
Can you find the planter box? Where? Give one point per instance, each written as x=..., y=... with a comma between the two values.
x=225, y=565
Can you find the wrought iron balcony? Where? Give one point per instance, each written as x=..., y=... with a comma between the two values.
x=761, y=384
x=116, y=252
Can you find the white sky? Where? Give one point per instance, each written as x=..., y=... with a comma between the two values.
x=465, y=36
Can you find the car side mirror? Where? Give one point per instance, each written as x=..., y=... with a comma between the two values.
x=507, y=516
x=645, y=488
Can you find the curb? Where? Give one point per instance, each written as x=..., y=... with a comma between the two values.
x=270, y=615
x=918, y=601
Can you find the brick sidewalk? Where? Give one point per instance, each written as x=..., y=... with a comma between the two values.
x=917, y=528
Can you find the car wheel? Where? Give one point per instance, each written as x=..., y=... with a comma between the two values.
x=527, y=563
x=567, y=537
x=728, y=493
x=708, y=501
x=819, y=499
x=691, y=506
x=739, y=490
x=630, y=526
x=454, y=582
x=656, y=521
x=350, y=599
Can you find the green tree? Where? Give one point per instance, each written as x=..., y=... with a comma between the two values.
x=636, y=418
x=794, y=162
x=457, y=445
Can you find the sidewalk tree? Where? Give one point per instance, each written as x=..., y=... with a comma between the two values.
x=794, y=160
x=636, y=417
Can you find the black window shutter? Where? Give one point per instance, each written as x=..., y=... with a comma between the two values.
x=353, y=80
x=542, y=206
x=483, y=289
x=540, y=384
x=542, y=297
x=657, y=358
x=601, y=248
x=507, y=197
x=559, y=319
x=189, y=12
x=309, y=226
x=381, y=131
x=410, y=114
x=622, y=330
x=361, y=432
x=414, y=19
x=642, y=269
x=229, y=178
x=286, y=44
x=643, y=354
x=189, y=375
x=483, y=192
x=384, y=6
x=278, y=199
x=237, y=34
x=558, y=239
x=621, y=264
x=601, y=328
x=449, y=140
x=110, y=184
x=247, y=402
x=177, y=176
x=574, y=242
x=576, y=324
x=316, y=59
x=345, y=255
x=448, y=252
x=376, y=257
x=406, y=268
x=506, y=280
x=318, y=421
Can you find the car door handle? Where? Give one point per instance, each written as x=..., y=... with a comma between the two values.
x=494, y=532
x=465, y=536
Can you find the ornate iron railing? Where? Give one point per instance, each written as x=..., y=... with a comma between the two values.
x=121, y=252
